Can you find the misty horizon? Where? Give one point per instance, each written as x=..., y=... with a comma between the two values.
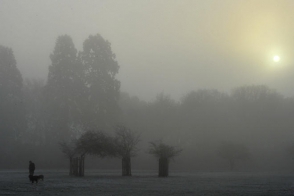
x=92, y=91
x=172, y=47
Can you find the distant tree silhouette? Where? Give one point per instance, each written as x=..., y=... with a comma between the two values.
x=12, y=109
x=126, y=141
x=255, y=93
x=131, y=109
x=233, y=152
x=35, y=111
x=91, y=142
x=102, y=87
x=70, y=150
x=64, y=90
x=256, y=102
x=164, y=153
x=96, y=143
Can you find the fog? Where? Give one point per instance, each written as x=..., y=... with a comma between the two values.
x=192, y=73
x=165, y=46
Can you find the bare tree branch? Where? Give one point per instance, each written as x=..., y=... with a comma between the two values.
x=161, y=150
x=126, y=141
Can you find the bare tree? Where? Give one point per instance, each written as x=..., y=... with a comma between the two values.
x=126, y=141
x=164, y=153
x=94, y=143
x=70, y=150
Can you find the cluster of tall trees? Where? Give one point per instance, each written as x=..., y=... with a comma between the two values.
x=12, y=108
x=81, y=93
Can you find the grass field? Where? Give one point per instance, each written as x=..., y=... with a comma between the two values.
x=147, y=183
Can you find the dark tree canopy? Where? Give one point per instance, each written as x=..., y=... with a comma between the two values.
x=10, y=77
x=100, y=69
x=35, y=113
x=12, y=110
x=161, y=150
x=164, y=153
x=96, y=143
x=64, y=89
x=63, y=72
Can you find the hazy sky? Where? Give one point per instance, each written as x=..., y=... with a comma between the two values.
x=170, y=46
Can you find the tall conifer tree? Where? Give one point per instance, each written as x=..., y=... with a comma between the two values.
x=64, y=90
x=102, y=87
x=12, y=112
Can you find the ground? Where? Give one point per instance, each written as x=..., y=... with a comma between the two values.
x=143, y=183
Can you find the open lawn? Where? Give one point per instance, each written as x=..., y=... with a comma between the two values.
x=147, y=183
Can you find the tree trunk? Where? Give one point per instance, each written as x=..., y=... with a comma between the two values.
x=163, y=167
x=77, y=166
x=81, y=164
x=126, y=166
x=74, y=166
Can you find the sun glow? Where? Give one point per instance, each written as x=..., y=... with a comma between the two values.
x=276, y=58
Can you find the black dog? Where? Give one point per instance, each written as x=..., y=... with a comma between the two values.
x=36, y=178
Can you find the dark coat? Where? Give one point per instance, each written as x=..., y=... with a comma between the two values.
x=32, y=166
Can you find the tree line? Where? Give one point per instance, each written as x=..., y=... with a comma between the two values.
x=250, y=127
x=82, y=93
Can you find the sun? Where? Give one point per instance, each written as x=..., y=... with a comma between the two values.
x=276, y=58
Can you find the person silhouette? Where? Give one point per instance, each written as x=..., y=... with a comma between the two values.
x=31, y=168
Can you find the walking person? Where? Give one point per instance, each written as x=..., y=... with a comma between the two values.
x=31, y=168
